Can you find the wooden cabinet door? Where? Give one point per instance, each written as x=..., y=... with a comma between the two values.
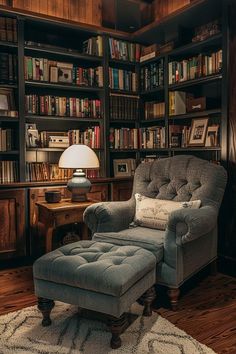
x=121, y=190
x=12, y=224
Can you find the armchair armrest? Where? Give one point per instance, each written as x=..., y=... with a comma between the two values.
x=193, y=223
x=109, y=216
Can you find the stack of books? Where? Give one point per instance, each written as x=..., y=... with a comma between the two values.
x=8, y=68
x=6, y=139
x=8, y=29
x=123, y=107
x=153, y=109
x=9, y=171
x=93, y=46
x=152, y=137
x=152, y=76
x=122, y=50
x=122, y=80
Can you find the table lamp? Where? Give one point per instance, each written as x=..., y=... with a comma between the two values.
x=79, y=157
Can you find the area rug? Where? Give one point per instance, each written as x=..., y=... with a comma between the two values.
x=21, y=332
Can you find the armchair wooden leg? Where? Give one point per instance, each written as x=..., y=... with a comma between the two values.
x=173, y=294
x=45, y=306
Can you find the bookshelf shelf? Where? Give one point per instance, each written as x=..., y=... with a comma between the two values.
x=9, y=119
x=124, y=92
x=122, y=121
x=150, y=92
x=52, y=149
x=55, y=86
x=196, y=47
x=30, y=118
x=199, y=81
x=10, y=152
x=8, y=44
x=197, y=148
x=123, y=150
x=66, y=53
x=123, y=62
x=153, y=120
x=199, y=114
x=8, y=85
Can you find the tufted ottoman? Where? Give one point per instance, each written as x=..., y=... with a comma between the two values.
x=96, y=276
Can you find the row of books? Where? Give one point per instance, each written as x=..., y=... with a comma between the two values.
x=152, y=138
x=45, y=171
x=63, y=106
x=6, y=139
x=152, y=76
x=122, y=80
x=8, y=68
x=153, y=109
x=61, y=139
x=195, y=67
x=122, y=50
x=93, y=46
x=123, y=107
x=41, y=69
x=135, y=138
x=9, y=171
x=8, y=29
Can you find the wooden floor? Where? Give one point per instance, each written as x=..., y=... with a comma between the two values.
x=207, y=309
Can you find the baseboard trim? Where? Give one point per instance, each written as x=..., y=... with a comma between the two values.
x=227, y=265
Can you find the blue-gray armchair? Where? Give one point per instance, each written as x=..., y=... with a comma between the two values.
x=189, y=241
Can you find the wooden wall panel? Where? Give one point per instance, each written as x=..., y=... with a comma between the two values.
x=227, y=240
x=12, y=224
x=85, y=11
x=162, y=8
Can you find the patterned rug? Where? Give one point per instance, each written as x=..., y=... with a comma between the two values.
x=21, y=332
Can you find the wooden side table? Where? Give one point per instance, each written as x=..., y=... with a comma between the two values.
x=53, y=215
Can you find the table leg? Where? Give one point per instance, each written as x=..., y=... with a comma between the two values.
x=48, y=236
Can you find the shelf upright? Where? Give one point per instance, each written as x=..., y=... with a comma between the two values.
x=225, y=85
x=21, y=99
x=166, y=98
x=106, y=105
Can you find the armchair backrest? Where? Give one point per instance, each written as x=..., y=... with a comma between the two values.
x=181, y=178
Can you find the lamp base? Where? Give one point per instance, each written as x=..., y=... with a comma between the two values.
x=79, y=185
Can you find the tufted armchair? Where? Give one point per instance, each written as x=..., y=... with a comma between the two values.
x=189, y=242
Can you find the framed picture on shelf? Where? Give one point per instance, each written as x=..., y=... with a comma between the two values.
x=65, y=75
x=6, y=100
x=212, y=136
x=32, y=136
x=123, y=167
x=198, y=132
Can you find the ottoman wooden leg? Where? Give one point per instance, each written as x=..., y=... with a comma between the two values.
x=45, y=306
x=117, y=326
x=147, y=299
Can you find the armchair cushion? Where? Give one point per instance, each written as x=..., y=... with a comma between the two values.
x=154, y=213
x=150, y=239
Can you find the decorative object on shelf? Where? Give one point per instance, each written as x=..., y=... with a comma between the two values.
x=53, y=196
x=124, y=167
x=205, y=31
x=195, y=104
x=198, y=132
x=32, y=136
x=79, y=157
x=212, y=136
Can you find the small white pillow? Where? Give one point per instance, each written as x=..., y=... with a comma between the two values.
x=154, y=213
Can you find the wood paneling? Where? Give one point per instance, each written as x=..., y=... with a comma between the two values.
x=121, y=191
x=12, y=224
x=84, y=11
x=227, y=241
x=162, y=8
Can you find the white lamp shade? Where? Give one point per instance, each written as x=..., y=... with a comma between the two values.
x=79, y=156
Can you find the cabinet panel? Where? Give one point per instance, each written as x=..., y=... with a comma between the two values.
x=121, y=190
x=12, y=224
